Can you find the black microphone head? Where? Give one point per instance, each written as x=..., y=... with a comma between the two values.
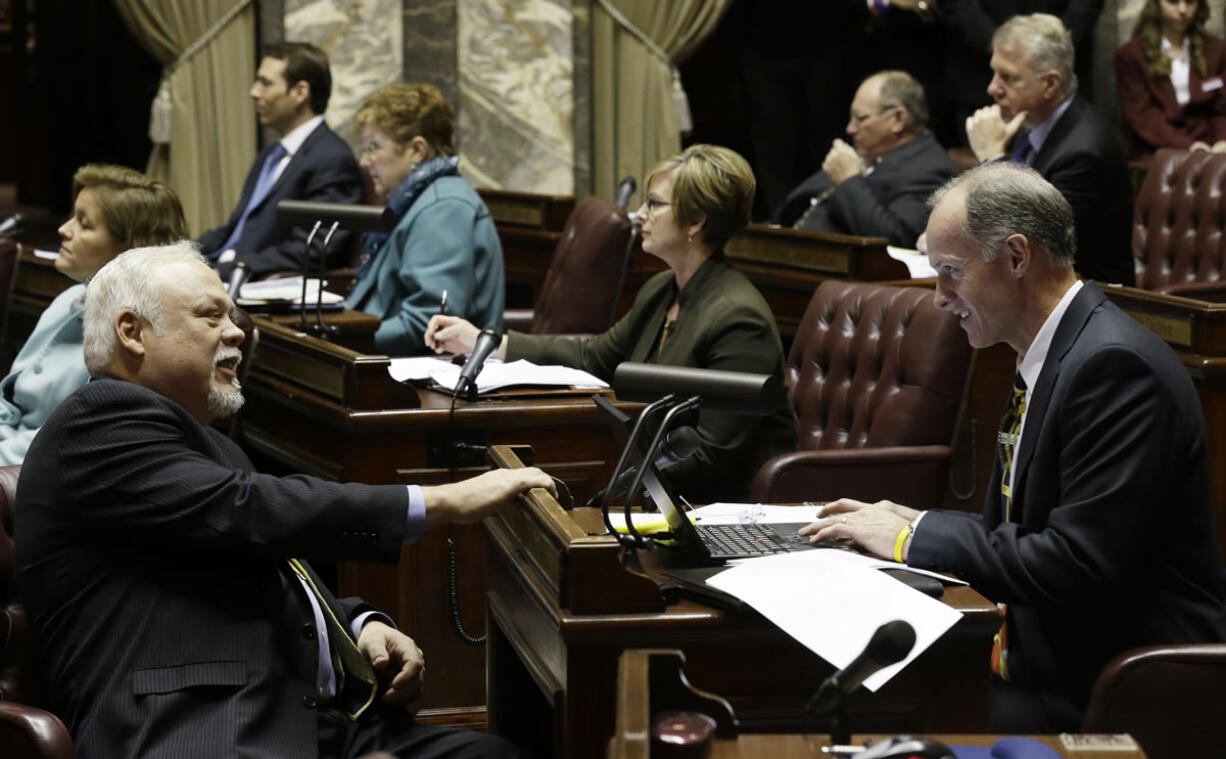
x=891, y=642
x=680, y=443
x=625, y=189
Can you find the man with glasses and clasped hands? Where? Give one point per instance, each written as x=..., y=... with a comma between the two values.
x=879, y=187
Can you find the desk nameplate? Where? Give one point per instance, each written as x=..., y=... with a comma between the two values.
x=1176, y=330
x=791, y=253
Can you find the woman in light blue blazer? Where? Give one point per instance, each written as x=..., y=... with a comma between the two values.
x=444, y=241
x=115, y=209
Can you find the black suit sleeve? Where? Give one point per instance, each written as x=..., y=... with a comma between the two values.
x=1115, y=422
x=856, y=207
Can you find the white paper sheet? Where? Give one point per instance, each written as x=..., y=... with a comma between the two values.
x=917, y=263
x=832, y=601
x=49, y=255
x=286, y=290
x=497, y=374
x=416, y=367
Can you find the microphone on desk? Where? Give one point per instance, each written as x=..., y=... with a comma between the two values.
x=625, y=189
x=678, y=445
x=238, y=277
x=890, y=644
x=487, y=342
x=12, y=225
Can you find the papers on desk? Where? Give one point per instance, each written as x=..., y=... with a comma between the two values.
x=495, y=375
x=285, y=290
x=832, y=601
x=917, y=263
x=49, y=255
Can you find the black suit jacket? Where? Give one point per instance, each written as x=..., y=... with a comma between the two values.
x=1083, y=159
x=323, y=170
x=150, y=559
x=1114, y=545
x=891, y=202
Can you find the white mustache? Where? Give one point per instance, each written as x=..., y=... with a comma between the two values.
x=224, y=354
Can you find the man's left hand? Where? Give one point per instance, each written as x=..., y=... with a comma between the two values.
x=872, y=526
x=396, y=659
x=842, y=163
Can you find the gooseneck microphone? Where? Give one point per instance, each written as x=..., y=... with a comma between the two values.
x=12, y=225
x=677, y=446
x=890, y=644
x=625, y=189
x=238, y=277
x=487, y=342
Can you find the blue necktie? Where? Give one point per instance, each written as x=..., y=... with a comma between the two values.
x=262, y=185
x=1023, y=150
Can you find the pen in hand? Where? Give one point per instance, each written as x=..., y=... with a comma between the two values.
x=442, y=305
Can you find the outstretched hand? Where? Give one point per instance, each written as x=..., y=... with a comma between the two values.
x=470, y=500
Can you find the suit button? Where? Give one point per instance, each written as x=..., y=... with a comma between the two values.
x=308, y=631
x=309, y=702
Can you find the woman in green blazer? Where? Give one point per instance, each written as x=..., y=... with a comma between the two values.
x=700, y=313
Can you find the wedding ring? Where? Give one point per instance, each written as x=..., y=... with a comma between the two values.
x=844, y=520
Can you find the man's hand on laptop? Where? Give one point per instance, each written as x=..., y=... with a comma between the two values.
x=875, y=527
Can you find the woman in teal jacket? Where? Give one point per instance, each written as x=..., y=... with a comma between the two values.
x=115, y=209
x=445, y=240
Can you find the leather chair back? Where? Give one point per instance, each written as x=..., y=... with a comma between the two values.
x=1169, y=698
x=583, y=282
x=25, y=732
x=1177, y=227
x=875, y=366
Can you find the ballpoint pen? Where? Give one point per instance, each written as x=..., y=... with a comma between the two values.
x=442, y=304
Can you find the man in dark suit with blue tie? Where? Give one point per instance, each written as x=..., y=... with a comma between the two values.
x=1039, y=121
x=166, y=581
x=307, y=162
x=1097, y=530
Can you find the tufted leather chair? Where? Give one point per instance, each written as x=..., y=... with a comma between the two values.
x=583, y=284
x=1169, y=698
x=877, y=376
x=25, y=732
x=1177, y=239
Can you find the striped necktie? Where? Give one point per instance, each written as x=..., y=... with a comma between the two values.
x=1006, y=447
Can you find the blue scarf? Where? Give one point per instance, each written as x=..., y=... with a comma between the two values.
x=402, y=199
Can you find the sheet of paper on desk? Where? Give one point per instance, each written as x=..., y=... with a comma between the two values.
x=284, y=290
x=49, y=255
x=498, y=374
x=740, y=513
x=832, y=601
x=917, y=263
x=410, y=368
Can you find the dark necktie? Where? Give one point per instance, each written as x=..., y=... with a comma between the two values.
x=1022, y=150
x=1006, y=447
x=355, y=678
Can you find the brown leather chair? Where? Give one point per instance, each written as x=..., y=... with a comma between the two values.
x=25, y=731
x=1177, y=238
x=1169, y=698
x=877, y=376
x=583, y=284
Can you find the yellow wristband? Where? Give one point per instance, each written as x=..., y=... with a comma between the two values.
x=901, y=541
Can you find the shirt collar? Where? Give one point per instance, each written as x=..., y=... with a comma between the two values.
x=1169, y=51
x=1032, y=363
x=293, y=141
x=1039, y=134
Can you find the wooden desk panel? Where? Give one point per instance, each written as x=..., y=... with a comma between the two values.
x=36, y=282
x=322, y=409
x=562, y=608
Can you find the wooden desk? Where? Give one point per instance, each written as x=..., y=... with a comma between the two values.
x=529, y=227
x=652, y=681
x=562, y=608
x=326, y=410
x=1196, y=329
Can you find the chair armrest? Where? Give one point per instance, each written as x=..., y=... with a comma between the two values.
x=29, y=732
x=912, y=475
x=518, y=319
x=1210, y=291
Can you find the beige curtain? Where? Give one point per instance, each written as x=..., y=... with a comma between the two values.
x=208, y=50
x=634, y=112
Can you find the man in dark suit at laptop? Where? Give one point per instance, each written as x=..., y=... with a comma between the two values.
x=308, y=162
x=880, y=187
x=1097, y=528
x=1039, y=121
x=166, y=580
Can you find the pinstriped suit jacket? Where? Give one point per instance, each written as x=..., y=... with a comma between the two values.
x=149, y=559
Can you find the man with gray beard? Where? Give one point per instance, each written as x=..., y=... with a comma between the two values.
x=166, y=581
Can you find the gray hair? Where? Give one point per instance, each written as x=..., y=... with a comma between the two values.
x=1044, y=42
x=899, y=89
x=1004, y=199
x=127, y=281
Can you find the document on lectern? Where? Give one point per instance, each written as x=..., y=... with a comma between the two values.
x=832, y=601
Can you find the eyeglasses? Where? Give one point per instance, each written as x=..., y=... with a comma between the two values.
x=860, y=118
x=654, y=205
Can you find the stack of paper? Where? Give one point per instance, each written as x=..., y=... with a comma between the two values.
x=285, y=290
x=495, y=375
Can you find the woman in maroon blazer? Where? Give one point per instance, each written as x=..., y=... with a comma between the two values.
x=1170, y=79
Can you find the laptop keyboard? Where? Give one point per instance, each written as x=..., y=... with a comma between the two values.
x=746, y=540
